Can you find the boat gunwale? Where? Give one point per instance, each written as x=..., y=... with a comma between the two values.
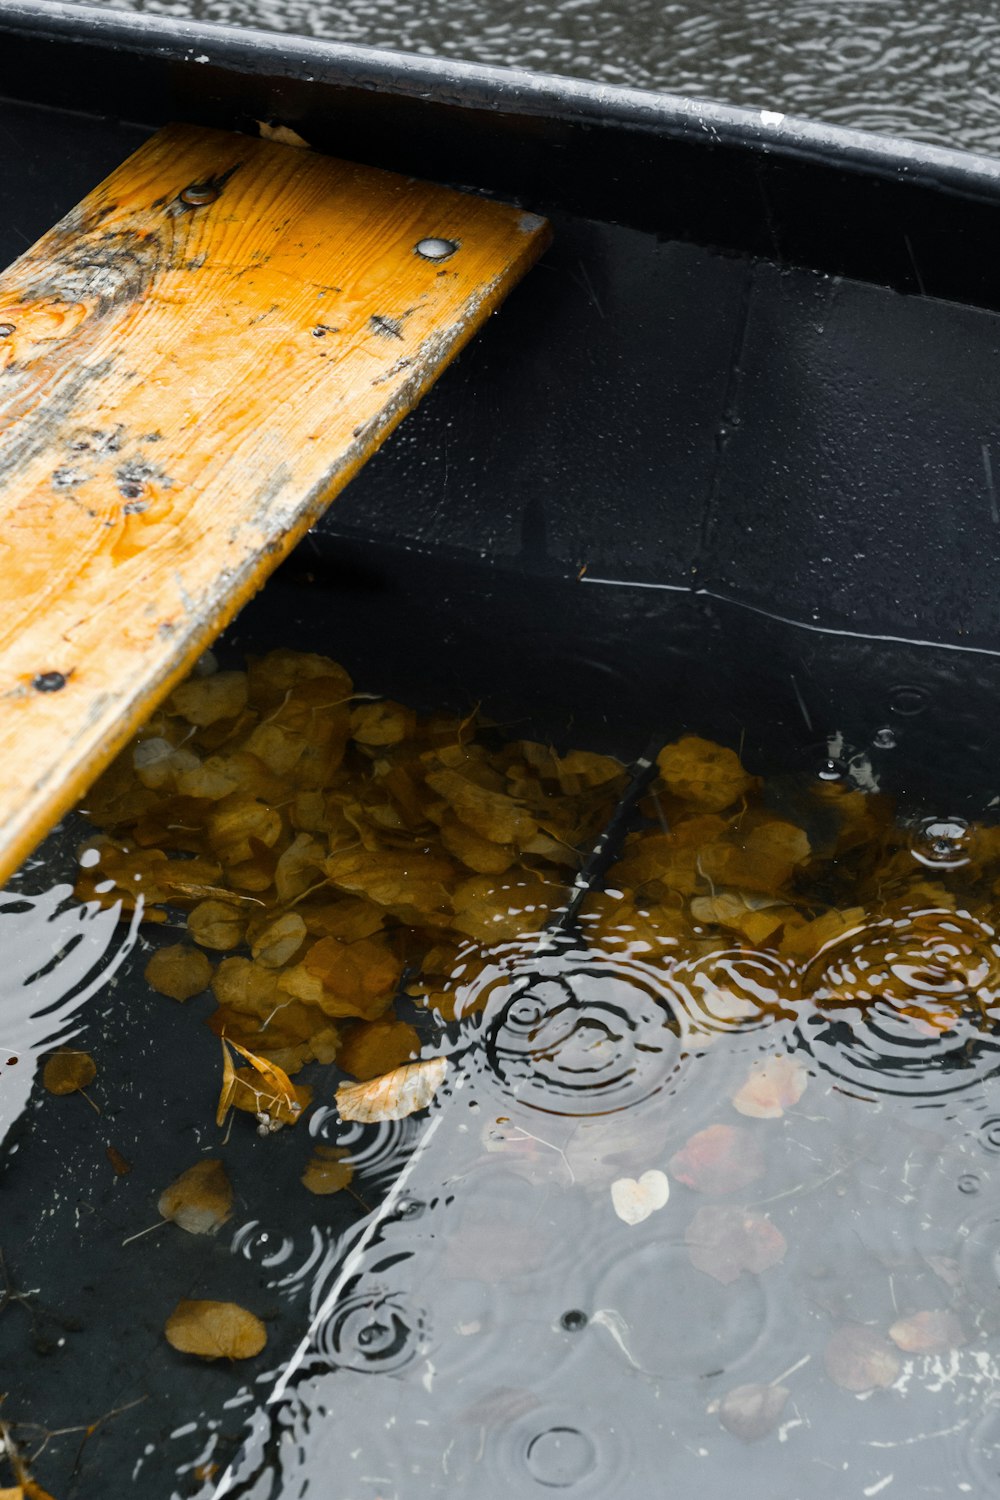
x=516, y=91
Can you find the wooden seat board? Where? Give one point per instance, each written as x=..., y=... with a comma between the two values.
x=193, y=362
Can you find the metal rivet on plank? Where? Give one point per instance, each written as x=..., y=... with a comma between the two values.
x=435, y=249
x=198, y=194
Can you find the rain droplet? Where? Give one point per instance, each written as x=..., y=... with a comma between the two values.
x=968, y=1183
x=908, y=699
x=561, y=1457
x=941, y=843
x=574, y=1320
x=884, y=739
x=830, y=771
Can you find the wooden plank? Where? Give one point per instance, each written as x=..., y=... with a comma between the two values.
x=192, y=364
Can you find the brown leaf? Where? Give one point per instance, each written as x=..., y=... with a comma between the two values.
x=395, y=1095
x=121, y=1164
x=772, y=1085
x=200, y=1200
x=723, y=1242
x=859, y=1359
x=707, y=775
x=215, y=1330
x=267, y=1090
x=931, y=1332
x=66, y=1071
x=750, y=1412
x=327, y=1171
x=720, y=1159
x=376, y=1047
x=178, y=971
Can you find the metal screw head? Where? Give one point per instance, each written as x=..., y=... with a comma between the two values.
x=6, y=329
x=434, y=248
x=49, y=682
x=198, y=194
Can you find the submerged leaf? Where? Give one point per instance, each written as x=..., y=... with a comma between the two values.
x=327, y=1171
x=395, y=1095
x=707, y=775
x=178, y=971
x=200, y=1200
x=931, y=1332
x=859, y=1359
x=215, y=1330
x=750, y=1412
x=718, y=1160
x=67, y=1071
x=773, y=1085
x=724, y=1242
x=635, y=1200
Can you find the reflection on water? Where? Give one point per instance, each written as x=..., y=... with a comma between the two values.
x=57, y=955
x=920, y=68
x=706, y=1197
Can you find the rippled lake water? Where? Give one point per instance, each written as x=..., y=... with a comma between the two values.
x=921, y=68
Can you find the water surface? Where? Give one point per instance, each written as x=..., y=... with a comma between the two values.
x=926, y=69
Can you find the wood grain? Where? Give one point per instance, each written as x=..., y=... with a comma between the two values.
x=192, y=364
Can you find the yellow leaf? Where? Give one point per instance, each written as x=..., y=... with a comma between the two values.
x=384, y=723
x=228, y=1091
x=270, y=1093
x=200, y=1200
x=377, y=1047
x=66, y=1071
x=178, y=971
x=707, y=775
x=753, y=915
x=216, y=924
x=393, y=1096
x=805, y=942
x=215, y=1330
x=278, y=940
x=493, y=815
x=327, y=1171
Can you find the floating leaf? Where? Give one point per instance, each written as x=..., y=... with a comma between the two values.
x=67, y=1071
x=932, y=1332
x=282, y=134
x=723, y=1242
x=327, y=1171
x=395, y=1095
x=263, y=1089
x=750, y=1412
x=635, y=1200
x=178, y=971
x=200, y=1200
x=772, y=1085
x=719, y=1159
x=859, y=1359
x=215, y=1330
